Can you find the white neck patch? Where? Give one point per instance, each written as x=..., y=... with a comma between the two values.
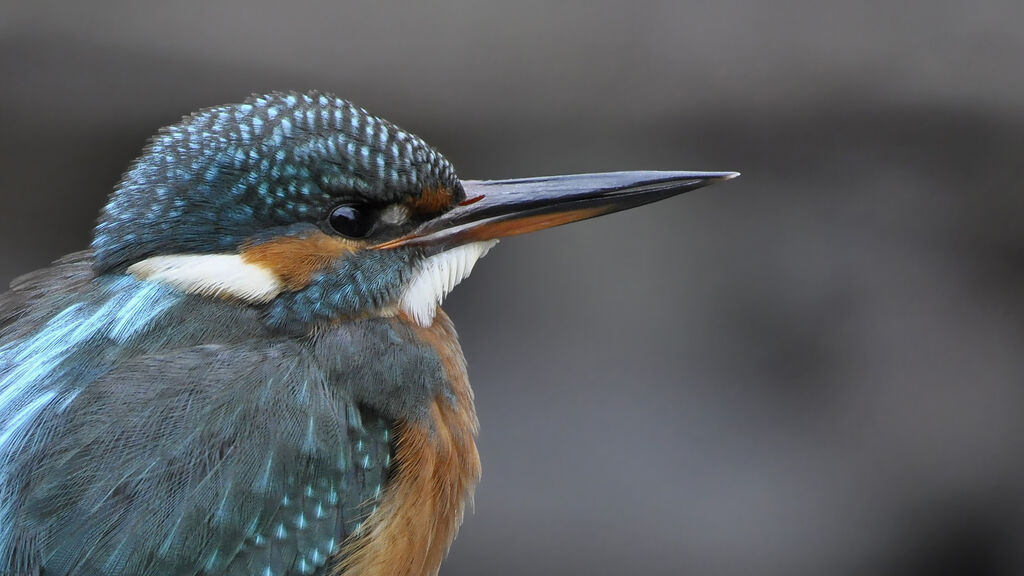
x=229, y=275
x=437, y=276
x=211, y=275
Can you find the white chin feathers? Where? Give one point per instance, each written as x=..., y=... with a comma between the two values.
x=437, y=276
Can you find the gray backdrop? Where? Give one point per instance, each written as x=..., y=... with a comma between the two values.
x=814, y=369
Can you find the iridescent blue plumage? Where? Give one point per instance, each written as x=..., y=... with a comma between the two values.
x=225, y=173
x=262, y=456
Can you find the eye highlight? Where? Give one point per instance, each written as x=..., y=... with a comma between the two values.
x=353, y=220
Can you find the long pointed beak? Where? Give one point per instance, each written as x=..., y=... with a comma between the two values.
x=498, y=208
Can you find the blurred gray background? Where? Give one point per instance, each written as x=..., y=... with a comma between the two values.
x=814, y=369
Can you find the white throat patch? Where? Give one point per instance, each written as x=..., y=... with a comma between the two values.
x=437, y=276
x=231, y=276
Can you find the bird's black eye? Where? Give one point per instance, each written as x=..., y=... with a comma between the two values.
x=353, y=221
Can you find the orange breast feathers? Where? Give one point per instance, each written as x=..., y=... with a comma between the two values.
x=436, y=469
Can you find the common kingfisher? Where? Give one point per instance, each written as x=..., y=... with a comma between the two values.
x=248, y=372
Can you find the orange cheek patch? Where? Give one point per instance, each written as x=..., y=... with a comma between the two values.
x=295, y=259
x=432, y=201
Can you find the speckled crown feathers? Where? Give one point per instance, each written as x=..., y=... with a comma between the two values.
x=224, y=173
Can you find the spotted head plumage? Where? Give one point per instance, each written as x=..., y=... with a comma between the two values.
x=238, y=200
x=210, y=182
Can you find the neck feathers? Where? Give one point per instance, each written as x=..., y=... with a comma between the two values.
x=319, y=278
x=437, y=469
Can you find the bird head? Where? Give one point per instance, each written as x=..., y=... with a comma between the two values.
x=317, y=210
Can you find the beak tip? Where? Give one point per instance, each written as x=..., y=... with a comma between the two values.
x=723, y=176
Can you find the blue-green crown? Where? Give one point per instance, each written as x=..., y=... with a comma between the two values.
x=227, y=173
